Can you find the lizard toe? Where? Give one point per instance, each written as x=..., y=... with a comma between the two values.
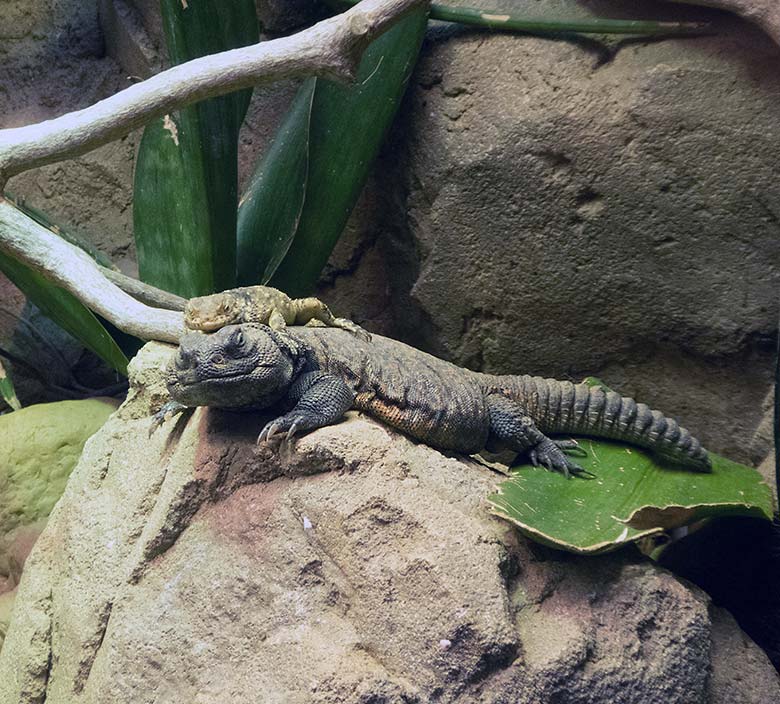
x=269, y=430
x=551, y=455
x=571, y=446
x=293, y=429
x=169, y=408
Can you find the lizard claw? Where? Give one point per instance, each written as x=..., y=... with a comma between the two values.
x=291, y=432
x=571, y=446
x=270, y=429
x=550, y=454
x=171, y=408
x=288, y=425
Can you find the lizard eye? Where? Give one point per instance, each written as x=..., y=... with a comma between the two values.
x=237, y=339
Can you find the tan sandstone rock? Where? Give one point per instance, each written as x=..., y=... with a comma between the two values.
x=355, y=566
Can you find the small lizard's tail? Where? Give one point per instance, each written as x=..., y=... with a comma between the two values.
x=562, y=407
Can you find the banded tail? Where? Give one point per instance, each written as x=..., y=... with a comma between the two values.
x=559, y=407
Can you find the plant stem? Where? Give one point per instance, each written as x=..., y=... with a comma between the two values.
x=508, y=21
x=596, y=25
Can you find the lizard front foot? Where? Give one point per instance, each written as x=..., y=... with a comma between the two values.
x=290, y=423
x=354, y=328
x=550, y=454
x=169, y=408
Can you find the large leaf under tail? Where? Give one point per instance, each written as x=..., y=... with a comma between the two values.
x=631, y=497
x=185, y=193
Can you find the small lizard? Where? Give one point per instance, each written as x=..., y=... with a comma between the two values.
x=320, y=373
x=261, y=304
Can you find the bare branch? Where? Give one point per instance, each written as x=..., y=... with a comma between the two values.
x=150, y=295
x=331, y=48
x=764, y=13
x=76, y=272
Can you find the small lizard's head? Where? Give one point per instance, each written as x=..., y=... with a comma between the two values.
x=209, y=313
x=238, y=366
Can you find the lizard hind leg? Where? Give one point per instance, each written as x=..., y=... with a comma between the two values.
x=511, y=429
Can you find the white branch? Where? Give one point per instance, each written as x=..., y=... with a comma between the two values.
x=331, y=48
x=74, y=270
x=764, y=13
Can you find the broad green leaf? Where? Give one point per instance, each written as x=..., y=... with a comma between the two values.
x=185, y=198
x=270, y=209
x=632, y=496
x=348, y=125
x=65, y=310
x=7, y=390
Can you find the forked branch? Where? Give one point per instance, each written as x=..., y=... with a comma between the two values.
x=331, y=48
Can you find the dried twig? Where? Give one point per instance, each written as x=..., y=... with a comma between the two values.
x=150, y=295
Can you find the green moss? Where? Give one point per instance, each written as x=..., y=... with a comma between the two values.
x=39, y=448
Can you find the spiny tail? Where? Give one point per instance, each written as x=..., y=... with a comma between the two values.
x=562, y=407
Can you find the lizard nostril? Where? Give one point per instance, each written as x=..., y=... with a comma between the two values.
x=184, y=359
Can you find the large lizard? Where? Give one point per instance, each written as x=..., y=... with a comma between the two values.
x=317, y=374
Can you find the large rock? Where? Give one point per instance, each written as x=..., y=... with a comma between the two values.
x=41, y=445
x=355, y=566
x=565, y=208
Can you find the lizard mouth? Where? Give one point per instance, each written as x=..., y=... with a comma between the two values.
x=189, y=383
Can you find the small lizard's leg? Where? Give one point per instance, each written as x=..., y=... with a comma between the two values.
x=510, y=428
x=321, y=399
x=169, y=408
x=309, y=309
x=276, y=320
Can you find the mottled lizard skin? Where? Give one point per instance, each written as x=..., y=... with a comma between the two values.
x=261, y=304
x=319, y=373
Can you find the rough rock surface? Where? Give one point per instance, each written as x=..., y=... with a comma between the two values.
x=54, y=61
x=355, y=566
x=572, y=209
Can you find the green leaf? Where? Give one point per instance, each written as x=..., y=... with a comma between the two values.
x=270, y=209
x=7, y=390
x=347, y=127
x=185, y=198
x=504, y=19
x=65, y=310
x=631, y=497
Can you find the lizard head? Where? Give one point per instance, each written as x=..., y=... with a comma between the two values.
x=209, y=313
x=238, y=366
